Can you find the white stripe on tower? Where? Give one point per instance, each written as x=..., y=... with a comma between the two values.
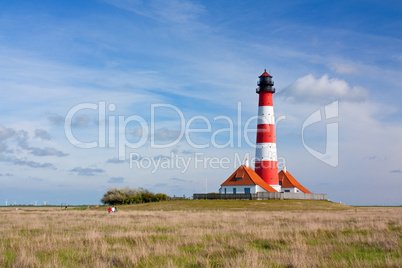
x=266, y=151
x=266, y=115
x=266, y=165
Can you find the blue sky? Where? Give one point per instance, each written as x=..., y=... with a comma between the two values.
x=204, y=58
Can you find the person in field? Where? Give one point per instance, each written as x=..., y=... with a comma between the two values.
x=113, y=209
x=109, y=210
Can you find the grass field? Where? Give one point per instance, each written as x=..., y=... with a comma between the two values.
x=202, y=233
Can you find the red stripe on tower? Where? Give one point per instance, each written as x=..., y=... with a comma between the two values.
x=266, y=163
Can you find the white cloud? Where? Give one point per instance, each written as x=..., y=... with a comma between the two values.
x=87, y=171
x=6, y=133
x=116, y=180
x=344, y=68
x=115, y=160
x=56, y=119
x=310, y=89
x=46, y=152
x=81, y=121
x=166, y=134
x=42, y=134
x=23, y=162
x=3, y=147
x=176, y=11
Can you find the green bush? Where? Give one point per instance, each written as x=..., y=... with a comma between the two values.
x=147, y=197
x=133, y=200
x=128, y=195
x=160, y=197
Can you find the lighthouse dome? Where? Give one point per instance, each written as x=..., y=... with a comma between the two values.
x=265, y=74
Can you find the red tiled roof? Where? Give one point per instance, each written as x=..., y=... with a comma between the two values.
x=288, y=181
x=249, y=177
x=265, y=74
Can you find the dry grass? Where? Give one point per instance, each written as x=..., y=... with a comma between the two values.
x=361, y=237
x=237, y=205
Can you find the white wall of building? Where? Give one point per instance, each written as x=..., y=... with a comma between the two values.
x=259, y=189
x=291, y=190
x=240, y=189
x=278, y=188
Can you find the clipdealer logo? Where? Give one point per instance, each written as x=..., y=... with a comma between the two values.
x=111, y=132
x=331, y=154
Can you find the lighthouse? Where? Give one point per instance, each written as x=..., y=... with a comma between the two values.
x=266, y=163
x=264, y=182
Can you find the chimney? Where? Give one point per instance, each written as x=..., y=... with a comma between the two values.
x=284, y=169
x=246, y=162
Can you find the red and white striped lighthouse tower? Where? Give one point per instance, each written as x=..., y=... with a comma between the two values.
x=266, y=163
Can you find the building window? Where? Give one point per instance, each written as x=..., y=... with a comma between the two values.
x=280, y=183
x=225, y=190
x=239, y=179
x=246, y=190
x=287, y=191
x=234, y=190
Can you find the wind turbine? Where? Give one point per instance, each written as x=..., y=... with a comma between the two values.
x=6, y=202
x=36, y=202
x=44, y=203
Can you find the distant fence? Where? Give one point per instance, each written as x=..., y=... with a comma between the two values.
x=223, y=196
x=263, y=196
